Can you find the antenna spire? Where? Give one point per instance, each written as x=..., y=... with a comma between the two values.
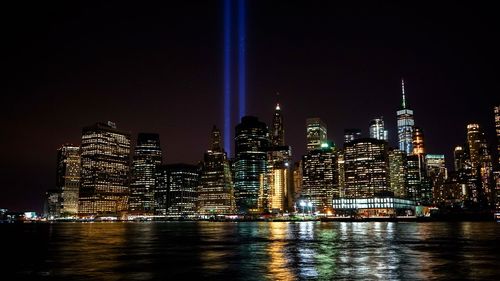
x=403, y=92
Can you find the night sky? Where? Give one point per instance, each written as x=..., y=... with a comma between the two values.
x=159, y=69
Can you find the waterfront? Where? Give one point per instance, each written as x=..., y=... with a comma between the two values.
x=251, y=251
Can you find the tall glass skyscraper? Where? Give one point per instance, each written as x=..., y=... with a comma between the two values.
x=397, y=172
x=216, y=191
x=481, y=160
x=377, y=129
x=147, y=157
x=250, y=166
x=68, y=178
x=278, y=130
x=316, y=133
x=405, y=124
x=105, y=157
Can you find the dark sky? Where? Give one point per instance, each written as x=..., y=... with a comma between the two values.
x=154, y=68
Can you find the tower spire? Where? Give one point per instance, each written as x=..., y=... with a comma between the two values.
x=403, y=92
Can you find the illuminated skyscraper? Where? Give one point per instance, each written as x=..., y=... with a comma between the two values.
x=397, y=172
x=460, y=158
x=216, y=191
x=405, y=125
x=297, y=181
x=278, y=130
x=320, y=177
x=481, y=161
x=147, y=157
x=177, y=194
x=436, y=173
x=377, y=129
x=250, y=166
x=351, y=134
x=105, y=158
x=366, y=168
x=316, y=133
x=497, y=127
x=68, y=178
x=418, y=141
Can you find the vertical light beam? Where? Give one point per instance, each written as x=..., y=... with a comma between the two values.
x=241, y=59
x=227, y=76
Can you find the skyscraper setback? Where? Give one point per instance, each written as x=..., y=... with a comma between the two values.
x=147, y=157
x=405, y=124
x=105, y=153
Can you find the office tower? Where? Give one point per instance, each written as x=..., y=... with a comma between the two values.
x=216, y=191
x=481, y=162
x=377, y=129
x=397, y=172
x=366, y=168
x=297, y=181
x=418, y=141
x=460, y=157
x=341, y=173
x=147, y=157
x=316, y=133
x=436, y=173
x=351, y=134
x=104, y=186
x=177, y=194
x=250, y=166
x=497, y=128
x=68, y=178
x=52, y=204
x=405, y=124
x=278, y=130
x=320, y=177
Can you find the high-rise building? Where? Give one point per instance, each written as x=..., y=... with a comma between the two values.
x=418, y=141
x=52, y=204
x=351, y=134
x=481, y=160
x=377, y=129
x=418, y=185
x=341, y=169
x=366, y=168
x=436, y=173
x=405, y=125
x=278, y=130
x=397, y=172
x=320, y=177
x=216, y=191
x=316, y=133
x=147, y=157
x=68, y=178
x=177, y=194
x=250, y=166
x=460, y=157
x=105, y=162
x=297, y=182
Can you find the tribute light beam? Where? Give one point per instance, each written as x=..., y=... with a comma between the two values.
x=227, y=76
x=241, y=59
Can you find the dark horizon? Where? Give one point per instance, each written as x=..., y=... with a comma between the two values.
x=159, y=68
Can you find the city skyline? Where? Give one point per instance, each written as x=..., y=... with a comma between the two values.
x=70, y=95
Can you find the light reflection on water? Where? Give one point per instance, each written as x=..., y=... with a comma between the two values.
x=252, y=251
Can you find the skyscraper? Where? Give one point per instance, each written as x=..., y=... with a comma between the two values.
x=497, y=128
x=460, y=157
x=405, y=124
x=418, y=141
x=320, y=177
x=481, y=161
x=278, y=130
x=316, y=133
x=147, y=157
x=436, y=173
x=366, y=168
x=351, y=134
x=397, y=172
x=377, y=129
x=177, y=190
x=68, y=178
x=216, y=191
x=104, y=186
x=250, y=166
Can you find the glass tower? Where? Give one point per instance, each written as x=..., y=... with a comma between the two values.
x=405, y=124
x=377, y=129
x=316, y=133
x=147, y=157
x=250, y=166
x=68, y=178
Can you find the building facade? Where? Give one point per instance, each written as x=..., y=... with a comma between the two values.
x=104, y=187
x=68, y=179
x=405, y=123
x=377, y=129
x=147, y=157
x=316, y=133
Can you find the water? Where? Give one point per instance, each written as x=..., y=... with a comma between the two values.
x=251, y=251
